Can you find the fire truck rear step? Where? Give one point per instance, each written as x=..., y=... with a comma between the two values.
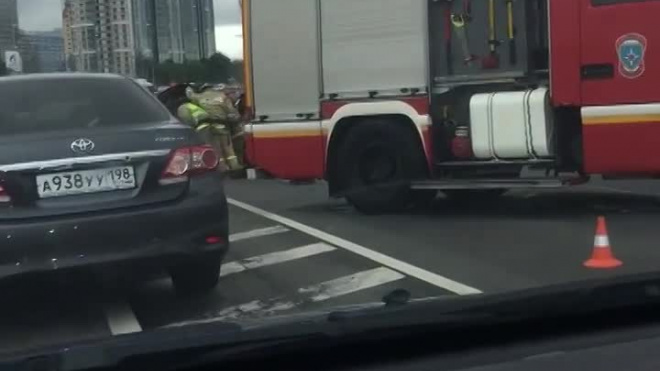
x=497, y=183
x=454, y=164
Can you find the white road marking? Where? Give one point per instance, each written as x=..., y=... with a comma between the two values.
x=388, y=261
x=275, y=258
x=261, y=232
x=121, y=319
x=311, y=294
x=609, y=189
x=350, y=284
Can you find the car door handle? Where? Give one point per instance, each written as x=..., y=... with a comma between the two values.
x=597, y=71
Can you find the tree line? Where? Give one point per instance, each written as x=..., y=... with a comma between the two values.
x=216, y=69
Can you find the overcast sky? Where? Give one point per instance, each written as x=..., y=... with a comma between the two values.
x=45, y=15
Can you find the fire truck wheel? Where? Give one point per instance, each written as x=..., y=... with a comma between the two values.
x=378, y=159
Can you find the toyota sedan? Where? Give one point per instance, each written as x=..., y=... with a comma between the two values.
x=94, y=171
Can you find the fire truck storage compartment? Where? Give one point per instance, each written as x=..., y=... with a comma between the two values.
x=464, y=48
x=285, y=59
x=512, y=125
x=373, y=47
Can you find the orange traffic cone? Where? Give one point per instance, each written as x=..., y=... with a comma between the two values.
x=602, y=256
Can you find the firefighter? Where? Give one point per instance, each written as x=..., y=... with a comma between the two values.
x=219, y=118
x=197, y=117
x=237, y=130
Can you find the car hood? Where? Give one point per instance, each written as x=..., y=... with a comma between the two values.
x=445, y=311
x=191, y=335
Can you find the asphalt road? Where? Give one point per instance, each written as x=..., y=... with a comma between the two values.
x=294, y=250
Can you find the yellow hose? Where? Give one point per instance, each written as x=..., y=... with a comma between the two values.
x=509, y=9
x=491, y=23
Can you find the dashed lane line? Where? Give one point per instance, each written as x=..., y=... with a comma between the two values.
x=350, y=284
x=275, y=258
x=121, y=319
x=312, y=294
x=388, y=261
x=261, y=232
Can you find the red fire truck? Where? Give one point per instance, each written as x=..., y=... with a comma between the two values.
x=391, y=101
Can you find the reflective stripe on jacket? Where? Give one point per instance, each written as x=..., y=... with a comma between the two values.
x=198, y=113
x=217, y=128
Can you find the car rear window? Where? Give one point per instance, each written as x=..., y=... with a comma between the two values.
x=70, y=103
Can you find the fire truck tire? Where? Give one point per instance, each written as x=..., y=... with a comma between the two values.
x=379, y=158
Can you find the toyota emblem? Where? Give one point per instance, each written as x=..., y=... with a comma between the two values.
x=82, y=146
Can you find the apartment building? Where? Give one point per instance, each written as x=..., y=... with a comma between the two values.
x=8, y=26
x=100, y=36
x=176, y=30
x=111, y=35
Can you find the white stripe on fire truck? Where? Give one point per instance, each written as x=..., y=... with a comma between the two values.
x=285, y=129
x=621, y=114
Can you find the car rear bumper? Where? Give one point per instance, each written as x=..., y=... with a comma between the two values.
x=159, y=234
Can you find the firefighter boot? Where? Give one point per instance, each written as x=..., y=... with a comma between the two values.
x=230, y=155
x=238, y=141
x=222, y=155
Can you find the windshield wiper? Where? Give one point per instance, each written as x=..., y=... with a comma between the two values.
x=399, y=315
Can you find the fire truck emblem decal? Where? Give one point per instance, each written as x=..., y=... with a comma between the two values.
x=631, y=49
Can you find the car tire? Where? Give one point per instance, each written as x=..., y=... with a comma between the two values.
x=197, y=276
x=379, y=158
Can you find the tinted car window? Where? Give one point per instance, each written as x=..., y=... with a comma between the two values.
x=57, y=104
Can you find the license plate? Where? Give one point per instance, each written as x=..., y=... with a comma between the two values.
x=85, y=181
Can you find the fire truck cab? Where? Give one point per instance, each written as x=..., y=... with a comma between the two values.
x=391, y=101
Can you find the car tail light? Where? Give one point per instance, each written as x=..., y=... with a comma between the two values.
x=189, y=161
x=4, y=196
x=212, y=240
